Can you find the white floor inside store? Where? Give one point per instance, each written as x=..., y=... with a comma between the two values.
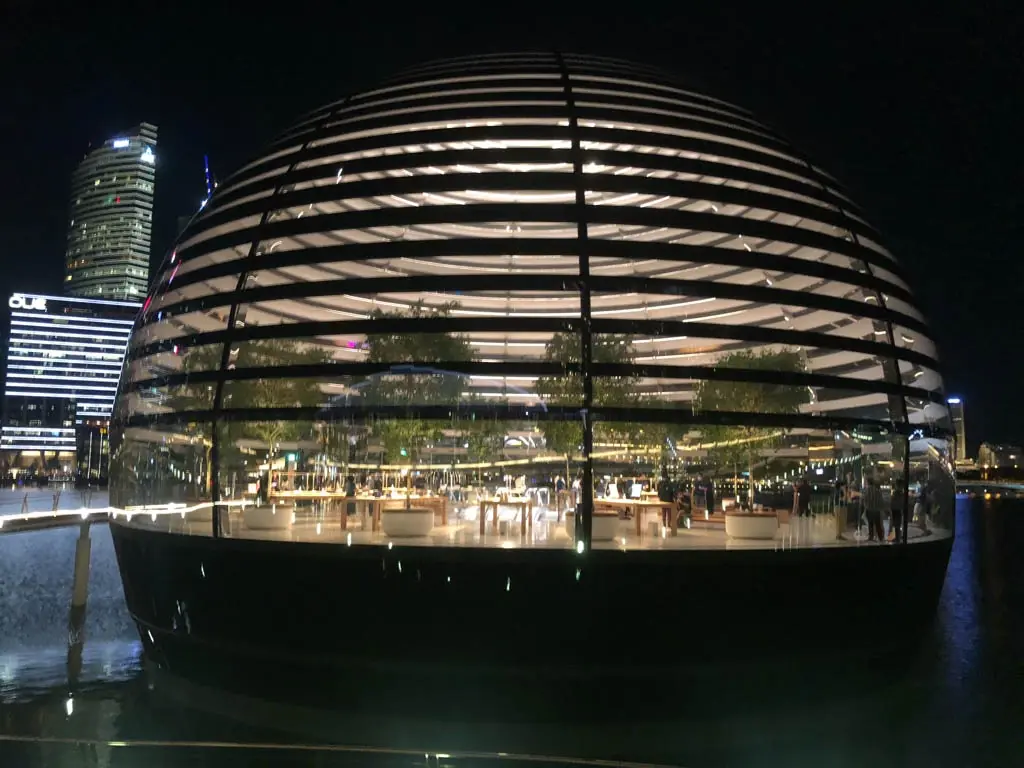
x=463, y=530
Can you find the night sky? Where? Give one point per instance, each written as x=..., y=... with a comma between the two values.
x=920, y=115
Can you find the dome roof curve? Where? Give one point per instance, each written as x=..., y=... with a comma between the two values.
x=511, y=202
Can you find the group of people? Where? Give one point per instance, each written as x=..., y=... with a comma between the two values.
x=873, y=504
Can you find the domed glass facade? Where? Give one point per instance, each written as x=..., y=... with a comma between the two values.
x=505, y=288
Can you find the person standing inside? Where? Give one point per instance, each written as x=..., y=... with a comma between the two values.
x=801, y=511
x=350, y=493
x=698, y=492
x=667, y=496
x=803, y=498
x=562, y=499
x=897, y=502
x=872, y=503
x=841, y=488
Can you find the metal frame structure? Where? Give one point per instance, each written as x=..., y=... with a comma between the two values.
x=631, y=202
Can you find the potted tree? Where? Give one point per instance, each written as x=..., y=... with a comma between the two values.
x=279, y=391
x=416, y=377
x=566, y=389
x=731, y=444
x=484, y=441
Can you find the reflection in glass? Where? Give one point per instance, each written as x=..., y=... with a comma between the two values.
x=391, y=316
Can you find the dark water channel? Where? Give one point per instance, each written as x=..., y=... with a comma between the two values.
x=958, y=700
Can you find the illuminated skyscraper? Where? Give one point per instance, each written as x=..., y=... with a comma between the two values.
x=64, y=359
x=956, y=415
x=111, y=218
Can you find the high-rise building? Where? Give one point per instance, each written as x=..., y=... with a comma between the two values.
x=64, y=361
x=956, y=415
x=111, y=218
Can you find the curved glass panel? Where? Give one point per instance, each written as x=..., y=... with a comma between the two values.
x=534, y=308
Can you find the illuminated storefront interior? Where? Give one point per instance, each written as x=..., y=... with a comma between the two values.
x=502, y=290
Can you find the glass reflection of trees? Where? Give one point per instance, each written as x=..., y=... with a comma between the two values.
x=261, y=392
x=416, y=377
x=413, y=380
x=736, y=445
x=565, y=437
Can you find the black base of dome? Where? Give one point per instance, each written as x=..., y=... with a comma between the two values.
x=295, y=621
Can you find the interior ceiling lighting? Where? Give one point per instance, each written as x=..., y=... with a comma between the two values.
x=630, y=202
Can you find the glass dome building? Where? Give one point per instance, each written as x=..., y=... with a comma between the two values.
x=503, y=316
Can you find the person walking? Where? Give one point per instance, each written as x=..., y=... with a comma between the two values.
x=873, y=502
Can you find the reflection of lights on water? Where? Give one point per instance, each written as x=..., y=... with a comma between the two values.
x=8, y=669
x=69, y=706
x=960, y=605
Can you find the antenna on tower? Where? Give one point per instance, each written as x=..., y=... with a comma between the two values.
x=209, y=178
x=211, y=184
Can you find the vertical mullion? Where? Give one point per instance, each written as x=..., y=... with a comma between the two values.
x=891, y=364
x=584, y=515
x=243, y=280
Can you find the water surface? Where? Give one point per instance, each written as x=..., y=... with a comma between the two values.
x=957, y=700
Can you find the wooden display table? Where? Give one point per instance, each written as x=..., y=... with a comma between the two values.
x=638, y=508
x=370, y=507
x=525, y=507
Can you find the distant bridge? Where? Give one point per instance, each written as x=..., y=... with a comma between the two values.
x=989, y=489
